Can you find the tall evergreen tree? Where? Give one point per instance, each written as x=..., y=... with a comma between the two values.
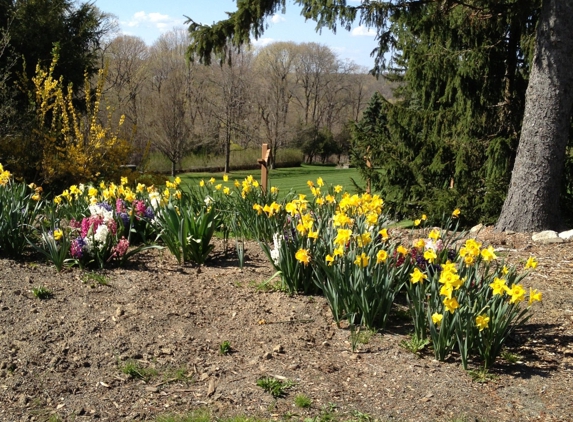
x=454, y=131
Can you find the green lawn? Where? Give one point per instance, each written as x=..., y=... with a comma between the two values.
x=285, y=179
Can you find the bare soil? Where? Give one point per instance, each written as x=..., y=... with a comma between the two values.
x=63, y=358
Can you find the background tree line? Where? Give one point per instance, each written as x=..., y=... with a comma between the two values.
x=284, y=94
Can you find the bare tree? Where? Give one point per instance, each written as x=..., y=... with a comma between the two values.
x=231, y=103
x=171, y=86
x=274, y=67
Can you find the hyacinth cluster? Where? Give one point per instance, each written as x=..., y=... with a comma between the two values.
x=94, y=231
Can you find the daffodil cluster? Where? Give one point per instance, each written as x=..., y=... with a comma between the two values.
x=463, y=298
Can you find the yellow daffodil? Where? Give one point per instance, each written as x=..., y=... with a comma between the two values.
x=274, y=190
x=225, y=178
x=456, y=213
x=451, y=304
x=329, y=259
x=303, y=256
x=423, y=217
x=430, y=255
x=531, y=263
x=447, y=290
x=434, y=234
x=383, y=234
x=342, y=237
x=219, y=187
x=338, y=189
x=437, y=319
x=212, y=180
x=534, y=296
x=140, y=188
x=381, y=256
x=364, y=239
x=482, y=321
x=417, y=276
x=488, y=254
x=226, y=191
x=517, y=293
x=401, y=250
x=202, y=183
x=58, y=234
x=417, y=222
x=258, y=208
x=498, y=286
x=362, y=260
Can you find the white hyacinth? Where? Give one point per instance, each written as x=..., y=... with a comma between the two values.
x=275, y=253
x=100, y=235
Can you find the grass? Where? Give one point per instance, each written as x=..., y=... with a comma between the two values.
x=302, y=401
x=285, y=179
x=135, y=370
x=327, y=414
x=274, y=387
x=95, y=278
x=41, y=292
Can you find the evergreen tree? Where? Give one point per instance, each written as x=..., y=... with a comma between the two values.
x=450, y=141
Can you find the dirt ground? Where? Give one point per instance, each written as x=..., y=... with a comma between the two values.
x=65, y=358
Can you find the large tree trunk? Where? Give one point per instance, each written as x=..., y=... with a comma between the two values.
x=532, y=201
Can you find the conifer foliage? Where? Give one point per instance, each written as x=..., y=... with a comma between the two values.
x=450, y=140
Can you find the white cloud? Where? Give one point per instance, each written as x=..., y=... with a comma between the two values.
x=362, y=31
x=277, y=18
x=262, y=42
x=158, y=20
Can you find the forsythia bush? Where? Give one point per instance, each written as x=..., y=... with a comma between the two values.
x=74, y=146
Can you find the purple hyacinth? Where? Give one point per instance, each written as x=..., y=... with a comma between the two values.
x=77, y=247
x=124, y=218
x=149, y=214
x=104, y=205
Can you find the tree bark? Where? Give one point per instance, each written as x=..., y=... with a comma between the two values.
x=532, y=202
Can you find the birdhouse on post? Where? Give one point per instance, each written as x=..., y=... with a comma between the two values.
x=264, y=161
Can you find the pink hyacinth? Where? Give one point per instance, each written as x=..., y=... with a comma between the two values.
x=120, y=249
x=74, y=224
x=112, y=226
x=139, y=207
x=92, y=223
x=119, y=206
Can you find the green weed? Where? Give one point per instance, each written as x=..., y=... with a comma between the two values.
x=94, y=278
x=415, y=344
x=41, y=292
x=302, y=401
x=225, y=348
x=274, y=387
x=135, y=370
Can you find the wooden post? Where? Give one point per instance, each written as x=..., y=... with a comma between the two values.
x=263, y=161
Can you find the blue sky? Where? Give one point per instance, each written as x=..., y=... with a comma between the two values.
x=149, y=18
